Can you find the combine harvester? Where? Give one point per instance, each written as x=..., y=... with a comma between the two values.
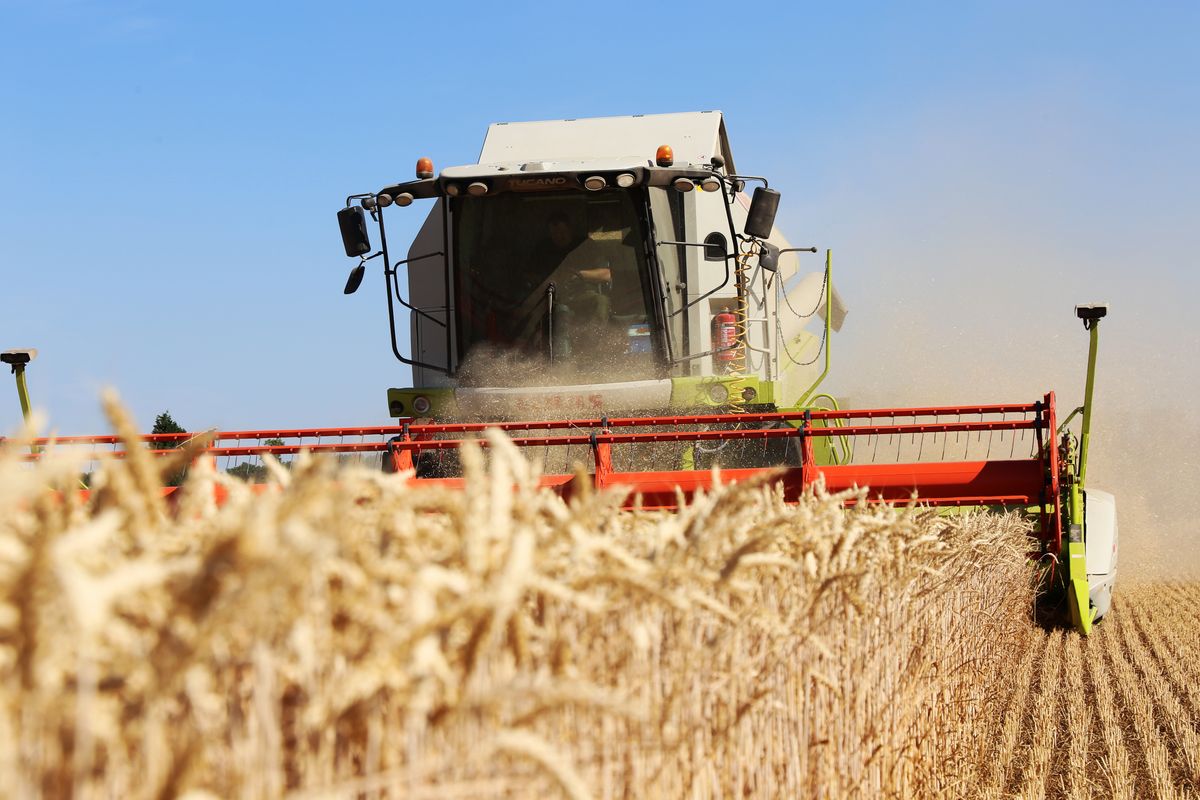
x=604, y=291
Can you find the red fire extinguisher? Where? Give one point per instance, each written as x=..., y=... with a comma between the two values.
x=724, y=340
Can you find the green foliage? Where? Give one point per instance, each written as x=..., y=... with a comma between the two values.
x=165, y=423
x=249, y=472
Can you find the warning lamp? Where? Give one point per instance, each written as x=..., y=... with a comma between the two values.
x=665, y=156
x=424, y=168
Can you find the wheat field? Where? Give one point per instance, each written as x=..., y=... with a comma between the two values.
x=347, y=635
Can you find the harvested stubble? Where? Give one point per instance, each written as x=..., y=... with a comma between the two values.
x=346, y=635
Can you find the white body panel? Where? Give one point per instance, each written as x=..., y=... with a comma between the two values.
x=695, y=136
x=427, y=290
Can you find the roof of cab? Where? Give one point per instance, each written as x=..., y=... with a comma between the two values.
x=695, y=136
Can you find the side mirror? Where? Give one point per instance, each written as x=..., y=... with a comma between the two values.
x=355, y=279
x=768, y=257
x=353, y=223
x=761, y=217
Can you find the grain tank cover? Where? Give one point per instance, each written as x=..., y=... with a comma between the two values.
x=695, y=136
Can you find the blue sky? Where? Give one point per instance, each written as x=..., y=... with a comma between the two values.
x=171, y=172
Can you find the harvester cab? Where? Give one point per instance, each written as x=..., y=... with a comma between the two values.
x=597, y=266
x=592, y=268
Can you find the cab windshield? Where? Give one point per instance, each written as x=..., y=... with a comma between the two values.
x=553, y=280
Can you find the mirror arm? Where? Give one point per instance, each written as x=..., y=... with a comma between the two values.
x=418, y=258
x=744, y=178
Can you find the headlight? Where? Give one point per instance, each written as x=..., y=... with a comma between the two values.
x=718, y=393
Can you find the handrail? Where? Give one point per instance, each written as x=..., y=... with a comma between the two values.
x=849, y=422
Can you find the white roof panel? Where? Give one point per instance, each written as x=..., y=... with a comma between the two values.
x=695, y=136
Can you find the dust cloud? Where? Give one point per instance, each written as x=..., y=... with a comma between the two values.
x=607, y=361
x=961, y=250
x=498, y=366
x=1145, y=446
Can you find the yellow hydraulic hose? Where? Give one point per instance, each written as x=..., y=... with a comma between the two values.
x=737, y=365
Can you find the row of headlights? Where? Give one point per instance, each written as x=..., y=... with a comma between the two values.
x=709, y=184
x=420, y=406
x=385, y=200
x=593, y=183
x=718, y=393
x=475, y=189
